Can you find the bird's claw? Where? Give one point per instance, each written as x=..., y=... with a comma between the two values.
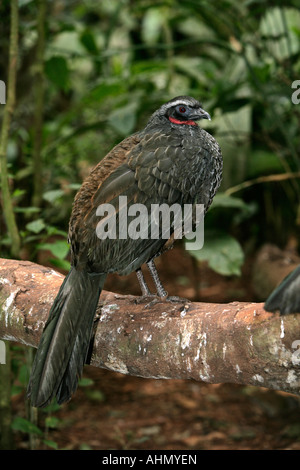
x=175, y=298
x=153, y=299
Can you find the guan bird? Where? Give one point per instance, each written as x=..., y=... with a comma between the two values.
x=171, y=161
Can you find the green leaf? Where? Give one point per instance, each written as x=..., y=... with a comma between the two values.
x=36, y=226
x=27, y=210
x=52, y=422
x=51, y=230
x=85, y=382
x=18, y=192
x=22, y=3
x=95, y=395
x=222, y=252
x=57, y=71
x=263, y=162
x=152, y=24
x=88, y=41
x=51, y=444
x=84, y=447
x=103, y=90
x=52, y=407
x=61, y=263
x=277, y=25
x=52, y=195
x=16, y=389
x=60, y=248
x=74, y=186
x=148, y=66
x=123, y=119
x=224, y=200
x=263, y=72
x=23, y=425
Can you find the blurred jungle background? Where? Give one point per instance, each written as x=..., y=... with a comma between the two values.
x=89, y=74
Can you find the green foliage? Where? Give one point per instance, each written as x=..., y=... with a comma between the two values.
x=27, y=427
x=221, y=250
x=23, y=425
x=36, y=226
x=59, y=248
x=264, y=162
x=223, y=253
x=223, y=200
x=57, y=71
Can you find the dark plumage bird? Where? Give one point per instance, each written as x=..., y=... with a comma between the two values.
x=172, y=160
x=286, y=297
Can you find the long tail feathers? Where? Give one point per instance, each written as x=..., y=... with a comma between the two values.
x=65, y=340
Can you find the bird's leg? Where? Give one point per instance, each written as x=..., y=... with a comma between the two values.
x=143, y=285
x=161, y=292
x=146, y=294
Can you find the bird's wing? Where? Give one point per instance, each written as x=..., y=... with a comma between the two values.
x=157, y=170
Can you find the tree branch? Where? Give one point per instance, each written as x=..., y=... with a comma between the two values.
x=237, y=342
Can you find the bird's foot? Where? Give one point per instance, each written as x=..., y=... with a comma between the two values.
x=176, y=299
x=149, y=300
x=152, y=299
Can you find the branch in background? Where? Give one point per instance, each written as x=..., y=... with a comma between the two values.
x=267, y=179
x=216, y=343
x=39, y=106
x=262, y=179
x=7, y=204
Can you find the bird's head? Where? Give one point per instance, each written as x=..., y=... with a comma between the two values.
x=182, y=110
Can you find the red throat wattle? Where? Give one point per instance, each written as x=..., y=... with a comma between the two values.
x=187, y=123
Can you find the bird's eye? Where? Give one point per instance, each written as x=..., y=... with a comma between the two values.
x=182, y=109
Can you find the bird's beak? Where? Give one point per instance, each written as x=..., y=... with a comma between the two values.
x=200, y=114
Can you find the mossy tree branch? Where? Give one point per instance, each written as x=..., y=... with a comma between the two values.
x=216, y=343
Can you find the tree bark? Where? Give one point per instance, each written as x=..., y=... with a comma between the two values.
x=237, y=342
